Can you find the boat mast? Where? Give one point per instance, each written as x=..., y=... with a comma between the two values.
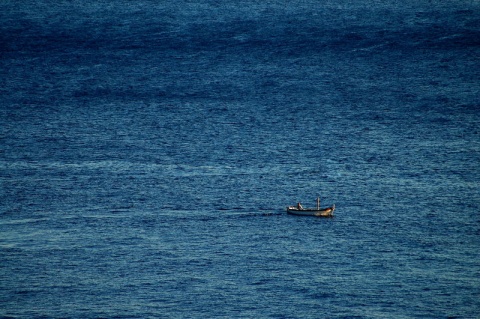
x=318, y=203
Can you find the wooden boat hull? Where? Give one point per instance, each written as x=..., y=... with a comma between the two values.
x=324, y=212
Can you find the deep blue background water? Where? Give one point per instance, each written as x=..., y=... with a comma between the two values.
x=148, y=151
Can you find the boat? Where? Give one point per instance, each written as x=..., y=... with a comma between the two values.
x=318, y=212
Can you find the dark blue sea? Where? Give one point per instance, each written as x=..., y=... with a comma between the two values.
x=148, y=150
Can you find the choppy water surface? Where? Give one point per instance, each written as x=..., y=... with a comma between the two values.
x=148, y=151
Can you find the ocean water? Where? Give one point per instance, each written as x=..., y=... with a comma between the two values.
x=148, y=150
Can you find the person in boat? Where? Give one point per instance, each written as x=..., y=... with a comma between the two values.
x=299, y=206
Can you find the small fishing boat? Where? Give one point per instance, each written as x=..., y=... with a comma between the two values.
x=319, y=212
